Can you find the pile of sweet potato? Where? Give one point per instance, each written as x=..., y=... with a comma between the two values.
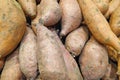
x=59, y=39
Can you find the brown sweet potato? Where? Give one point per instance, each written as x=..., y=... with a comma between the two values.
x=72, y=67
x=11, y=70
x=12, y=26
x=112, y=6
x=50, y=58
x=76, y=40
x=115, y=21
x=103, y=5
x=48, y=13
x=111, y=72
x=29, y=7
x=27, y=55
x=93, y=60
x=98, y=25
x=71, y=16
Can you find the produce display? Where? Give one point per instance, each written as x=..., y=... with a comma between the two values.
x=59, y=39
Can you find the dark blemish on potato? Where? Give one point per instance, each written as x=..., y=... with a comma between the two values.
x=107, y=40
x=118, y=23
x=3, y=16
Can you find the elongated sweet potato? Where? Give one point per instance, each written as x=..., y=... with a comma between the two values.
x=11, y=70
x=111, y=72
x=98, y=25
x=29, y=7
x=50, y=58
x=112, y=6
x=71, y=16
x=72, y=67
x=48, y=13
x=12, y=26
x=76, y=40
x=93, y=60
x=27, y=55
x=115, y=21
x=103, y=5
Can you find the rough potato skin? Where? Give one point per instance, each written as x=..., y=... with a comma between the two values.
x=93, y=60
x=72, y=67
x=76, y=40
x=103, y=5
x=29, y=7
x=98, y=25
x=50, y=58
x=115, y=21
x=71, y=16
x=27, y=55
x=111, y=72
x=112, y=7
x=11, y=70
x=12, y=26
x=48, y=13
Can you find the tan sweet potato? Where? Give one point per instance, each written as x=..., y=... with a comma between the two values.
x=29, y=7
x=98, y=25
x=76, y=40
x=48, y=13
x=71, y=16
x=11, y=70
x=50, y=58
x=72, y=67
x=93, y=60
x=112, y=6
x=103, y=5
x=111, y=72
x=27, y=55
x=115, y=21
x=12, y=26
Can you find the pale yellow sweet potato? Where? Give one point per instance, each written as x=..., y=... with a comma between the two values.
x=98, y=25
x=112, y=6
x=93, y=60
x=115, y=21
x=103, y=5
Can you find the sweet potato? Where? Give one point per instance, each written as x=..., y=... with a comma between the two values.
x=103, y=5
x=112, y=6
x=93, y=60
x=48, y=13
x=111, y=72
x=72, y=67
x=12, y=26
x=98, y=25
x=27, y=55
x=11, y=70
x=115, y=57
x=76, y=40
x=29, y=7
x=50, y=58
x=115, y=21
x=71, y=16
